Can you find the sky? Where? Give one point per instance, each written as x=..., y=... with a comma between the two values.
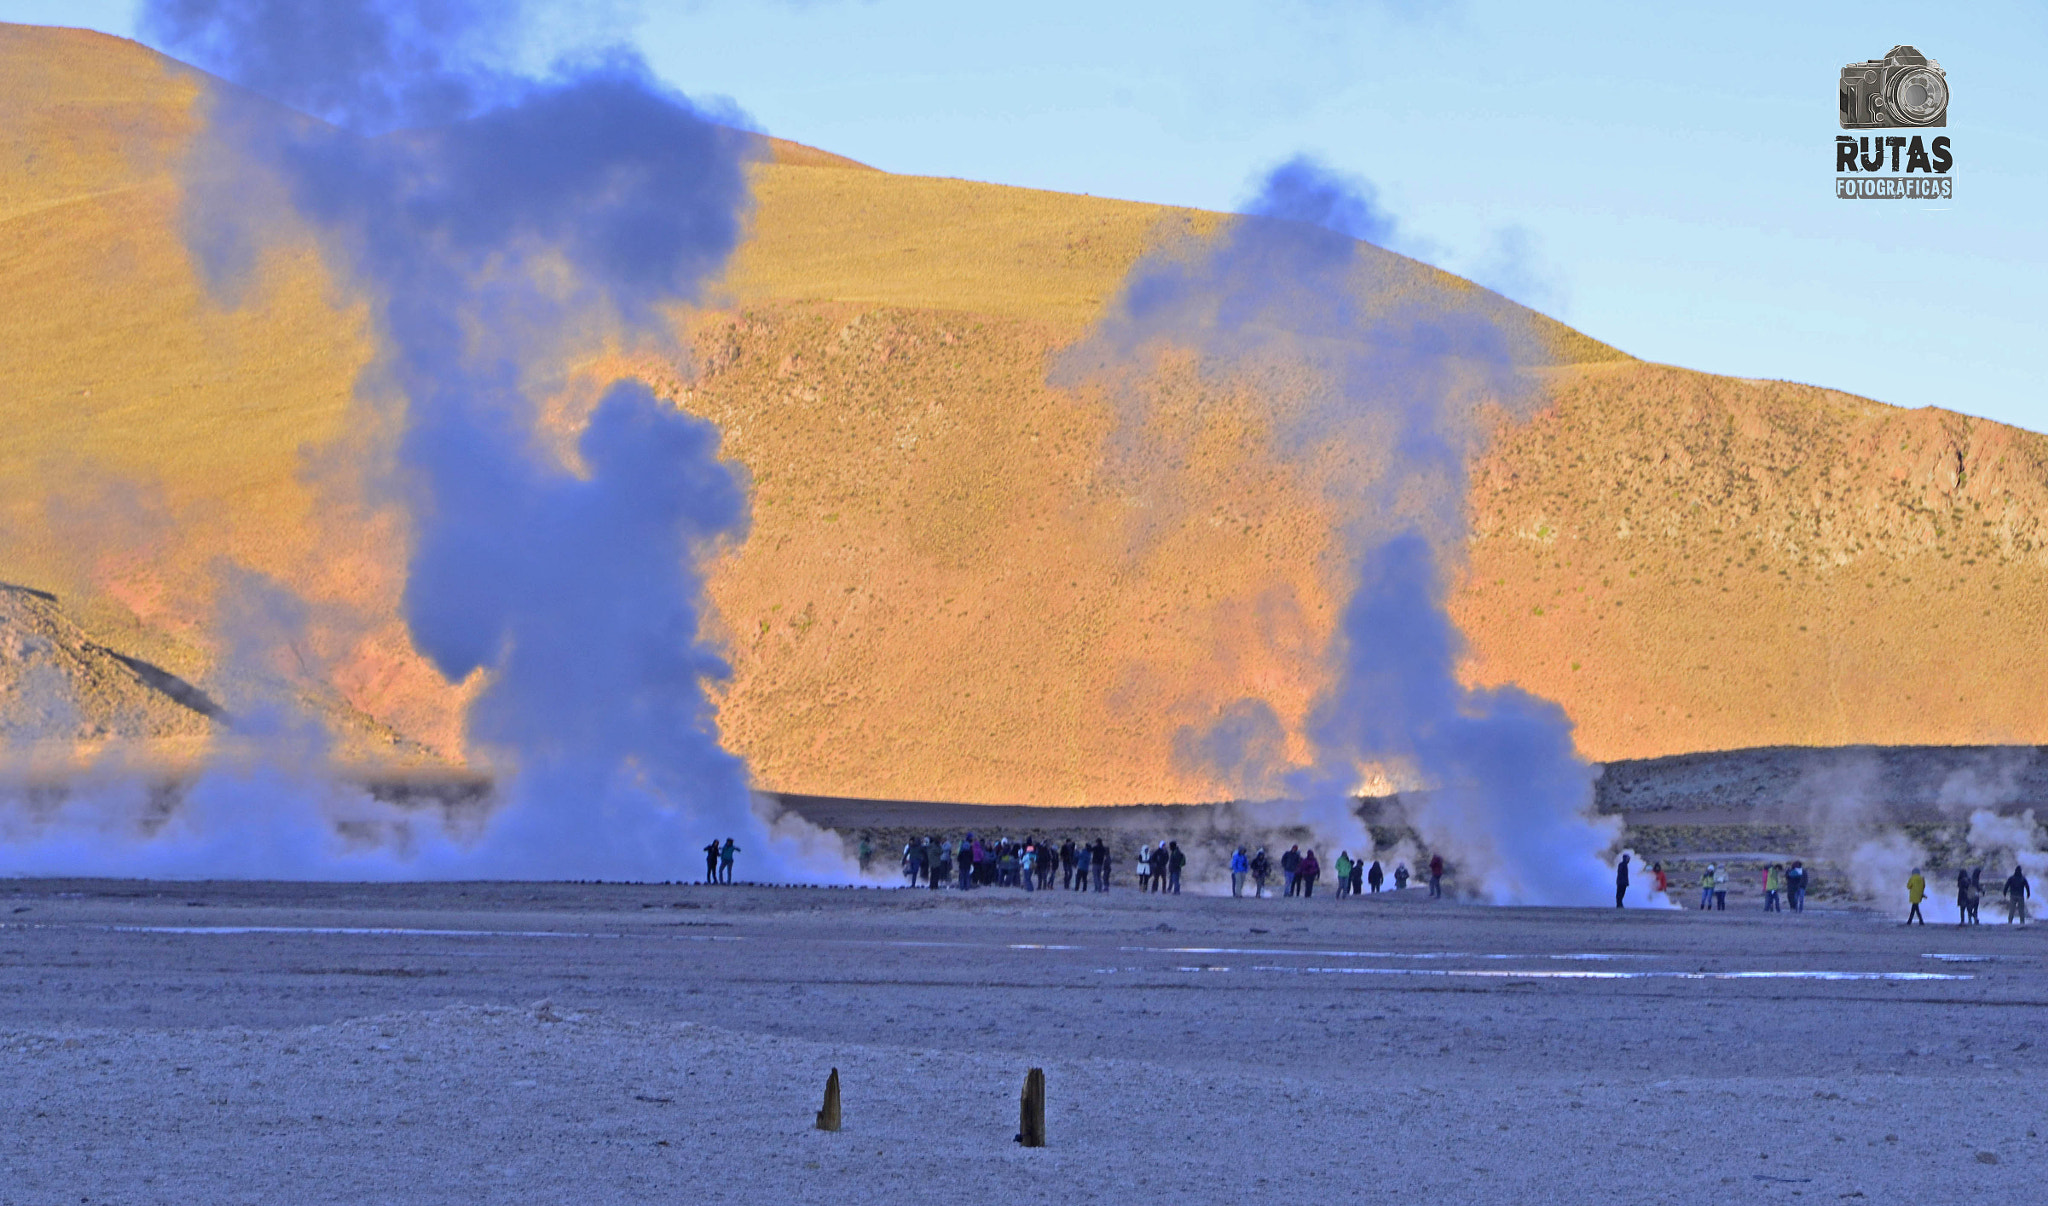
x=1658, y=176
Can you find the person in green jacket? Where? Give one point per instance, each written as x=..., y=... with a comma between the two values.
x=1343, y=873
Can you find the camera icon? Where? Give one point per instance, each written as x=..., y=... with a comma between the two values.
x=1904, y=88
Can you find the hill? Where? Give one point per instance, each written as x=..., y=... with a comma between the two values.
x=941, y=596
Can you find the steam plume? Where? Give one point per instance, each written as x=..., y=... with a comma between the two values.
x=511, y=225
x=1858, y=802
x=1384, y=391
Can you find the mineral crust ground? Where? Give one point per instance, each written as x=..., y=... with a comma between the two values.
x=490, y=1042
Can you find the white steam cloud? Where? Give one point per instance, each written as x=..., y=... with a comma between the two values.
x=516, y=224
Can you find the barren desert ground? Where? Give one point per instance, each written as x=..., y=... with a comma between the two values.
x=599, y=1043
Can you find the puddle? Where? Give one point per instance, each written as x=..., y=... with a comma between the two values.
x=342, y=929
x=1575, y=974
x=1253, y=950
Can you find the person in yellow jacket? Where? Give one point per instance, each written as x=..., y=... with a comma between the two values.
x=1916, y=891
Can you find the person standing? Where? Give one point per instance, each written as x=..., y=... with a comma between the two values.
x=1068, y=855
x=1262, y=867
x=1774, y=887
x=1962, y=897
x=965, y=859
x=1916, y=891
x=1375, y=877
x=1343, y=874
x=711, y=862
x=1102, y=865
x=938, y=862
x=725, y=854
x=1795, y=886
x=1175, y=861
x=1239, y=867
x=1400, y=877
x=1621, y=881
x=2017, y=890
x=1658, y=882
x=1144, y=868
x=1159, y=860
x=1707, y=888
x=1290, y=867
x=1436, y=876
x=1305, y=873
x=867, y=852
x=1357, y=875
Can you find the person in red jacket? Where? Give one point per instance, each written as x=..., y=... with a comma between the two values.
x=1436, y=876
x=1306, y=874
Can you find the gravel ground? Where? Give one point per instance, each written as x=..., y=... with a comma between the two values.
x=579, y=1043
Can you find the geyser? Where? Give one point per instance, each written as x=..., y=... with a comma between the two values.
x=511, y=226
x=1383, y=394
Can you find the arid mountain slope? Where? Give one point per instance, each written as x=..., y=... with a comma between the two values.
x=1694, y=562
x=58, y=688
x=951, y=589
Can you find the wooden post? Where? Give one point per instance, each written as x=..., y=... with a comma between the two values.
x=828, y=1118
x=1031, y=1110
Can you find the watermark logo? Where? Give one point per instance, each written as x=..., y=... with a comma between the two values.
x=1903, y=90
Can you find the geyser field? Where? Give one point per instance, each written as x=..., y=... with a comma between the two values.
x=442, y=493
x=525, y=1042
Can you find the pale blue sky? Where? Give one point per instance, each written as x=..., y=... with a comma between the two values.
x=1657, y=175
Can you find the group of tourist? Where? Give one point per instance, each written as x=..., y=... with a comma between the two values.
x=1038, y=866
x=1299, y=871
x=1783, y=887
x=1030, y=864
x=1970, y=895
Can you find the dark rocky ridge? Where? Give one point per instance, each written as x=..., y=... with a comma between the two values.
x=1769, y=785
